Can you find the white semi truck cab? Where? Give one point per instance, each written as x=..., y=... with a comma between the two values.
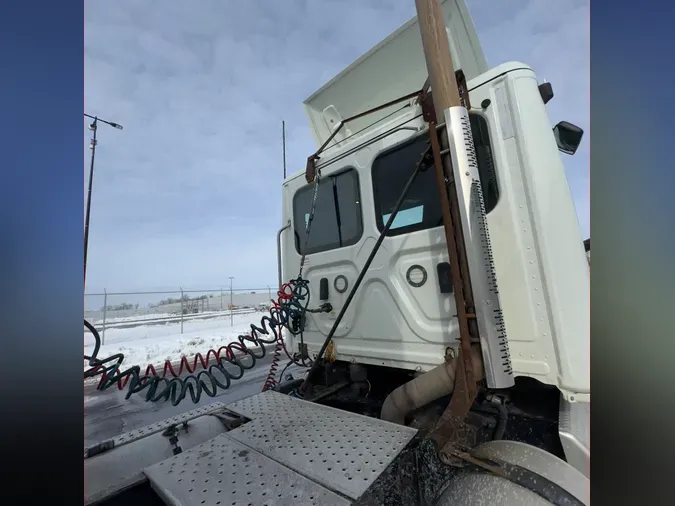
x=404, y=316
x=360, y=434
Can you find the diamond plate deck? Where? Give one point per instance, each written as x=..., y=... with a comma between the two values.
x=225, y=472
x=343, y=451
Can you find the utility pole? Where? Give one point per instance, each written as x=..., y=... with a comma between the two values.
x=231, y=303
x=94, y=128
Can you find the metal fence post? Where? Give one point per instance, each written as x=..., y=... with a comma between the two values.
x=221, y=299
x=269, y=291
x=231, y=304
x=105, y=310
x=181, y=309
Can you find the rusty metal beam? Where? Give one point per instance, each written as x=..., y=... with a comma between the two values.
x=446, y=85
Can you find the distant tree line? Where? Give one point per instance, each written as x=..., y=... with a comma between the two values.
x=119, y=307
x=171, y=300
x=164, y=302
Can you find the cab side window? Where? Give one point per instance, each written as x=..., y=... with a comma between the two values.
x=337, y=217
x=422, y=208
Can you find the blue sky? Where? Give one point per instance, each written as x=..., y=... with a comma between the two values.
x=189, y=192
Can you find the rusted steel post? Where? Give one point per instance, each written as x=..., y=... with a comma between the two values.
x=445, y=95
x=437, y=55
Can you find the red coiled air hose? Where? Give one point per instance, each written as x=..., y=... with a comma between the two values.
x=271, y=380
x=286, y=293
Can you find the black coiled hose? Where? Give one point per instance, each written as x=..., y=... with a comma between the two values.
x=288, y=312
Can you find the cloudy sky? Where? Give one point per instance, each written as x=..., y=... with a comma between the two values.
x=189, y=192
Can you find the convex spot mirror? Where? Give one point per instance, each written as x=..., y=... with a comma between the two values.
x=568, y=137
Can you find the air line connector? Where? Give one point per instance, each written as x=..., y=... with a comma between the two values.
x=326, y=307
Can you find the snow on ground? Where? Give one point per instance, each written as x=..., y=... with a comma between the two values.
x=160, y=316
x=153, y=344
x=120, y=319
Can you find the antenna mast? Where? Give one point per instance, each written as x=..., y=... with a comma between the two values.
x=283, y=144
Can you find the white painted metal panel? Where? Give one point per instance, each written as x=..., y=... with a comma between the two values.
x=393, y=68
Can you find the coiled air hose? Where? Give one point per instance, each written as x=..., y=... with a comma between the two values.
x=271, y=379
x=287, y=312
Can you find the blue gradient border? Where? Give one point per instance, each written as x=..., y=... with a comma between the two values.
x=633, y=271
x=41, y=218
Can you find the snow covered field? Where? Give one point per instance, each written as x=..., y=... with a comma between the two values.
x=121, y=319
x=153, y=344
x=151, y=317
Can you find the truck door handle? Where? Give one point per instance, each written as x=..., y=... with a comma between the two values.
x=444, y=277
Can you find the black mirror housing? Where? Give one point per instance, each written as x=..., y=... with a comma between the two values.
x=568, y=137
x=546, y=92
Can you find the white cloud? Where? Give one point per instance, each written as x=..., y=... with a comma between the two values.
x=189, y=192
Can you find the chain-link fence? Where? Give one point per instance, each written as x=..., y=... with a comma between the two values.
x=119, y=310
